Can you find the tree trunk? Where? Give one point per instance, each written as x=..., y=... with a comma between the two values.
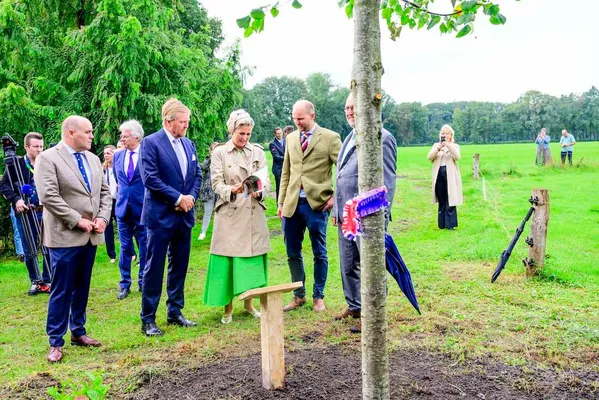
x=366, y=87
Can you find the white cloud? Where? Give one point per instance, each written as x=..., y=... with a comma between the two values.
x=546, y=45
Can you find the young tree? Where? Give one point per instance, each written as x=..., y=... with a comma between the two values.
x=366, y=87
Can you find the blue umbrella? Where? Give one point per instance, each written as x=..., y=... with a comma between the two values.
x=398, y=269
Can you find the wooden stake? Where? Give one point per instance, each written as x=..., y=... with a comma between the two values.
x=271, y=332
x=476, y=166
x=538, y=233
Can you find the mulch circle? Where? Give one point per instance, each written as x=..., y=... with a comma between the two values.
x=334, y=373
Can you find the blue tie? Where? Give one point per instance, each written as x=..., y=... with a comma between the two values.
x=82, y=170
x=180, y=156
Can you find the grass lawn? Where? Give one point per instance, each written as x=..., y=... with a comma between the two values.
x=552, y=320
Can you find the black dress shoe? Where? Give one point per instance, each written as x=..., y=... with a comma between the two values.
x=180, y=320
x=123, y=293
x=151, y=329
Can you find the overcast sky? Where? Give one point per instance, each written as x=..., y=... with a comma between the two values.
x=546, y=45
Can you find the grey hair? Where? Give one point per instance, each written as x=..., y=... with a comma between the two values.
x=239, y=118
x=134, y=127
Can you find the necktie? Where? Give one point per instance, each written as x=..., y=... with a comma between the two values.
x=79, y=158
x=180, y=156
x=304, y=141
x=130, y=168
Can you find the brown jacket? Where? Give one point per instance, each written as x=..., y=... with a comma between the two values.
x=239, y=221
x=448, y=156
x=66, y=199
x=312, y=169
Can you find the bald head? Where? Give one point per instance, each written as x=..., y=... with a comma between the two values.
x=77, y=132
x=303, y=115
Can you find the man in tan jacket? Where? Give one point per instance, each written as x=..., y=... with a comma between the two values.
x=306, y=197
x=77, y=204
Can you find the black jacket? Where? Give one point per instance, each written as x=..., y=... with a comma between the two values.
x=12, y=192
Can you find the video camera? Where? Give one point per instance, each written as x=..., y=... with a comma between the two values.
x=9, y=145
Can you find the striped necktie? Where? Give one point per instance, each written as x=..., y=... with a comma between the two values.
x=304, y=141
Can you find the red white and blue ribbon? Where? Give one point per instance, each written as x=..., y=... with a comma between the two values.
x=360, y=206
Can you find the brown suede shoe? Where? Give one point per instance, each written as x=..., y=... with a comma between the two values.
x=55, y=354
x=319, y=305
x=84, y=341
x=348, y=313
x=295, y=303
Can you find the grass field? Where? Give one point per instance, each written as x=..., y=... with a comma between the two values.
x=552, y=320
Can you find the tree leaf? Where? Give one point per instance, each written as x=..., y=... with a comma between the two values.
x=244, y=22
x=296, y=4
x=469, y=5
x=257, y=13
x=464, y=31
x=274, y=12
x=434, y=21
x=498, y=19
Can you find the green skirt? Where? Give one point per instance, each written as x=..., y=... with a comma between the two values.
x=228, y=277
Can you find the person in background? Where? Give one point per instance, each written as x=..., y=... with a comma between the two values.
x=288, y=130
x=240, y=240
x=566, y=143
x=447, y=181
x=28, y=214
x=543, y=150
x=207, y=196
x=277, y=149
x=112, y=184
x=17, y=236
x=129, y=204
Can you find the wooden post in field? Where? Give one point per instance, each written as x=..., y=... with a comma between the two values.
x=271, y=332
x=476, y=166
x=538, y=233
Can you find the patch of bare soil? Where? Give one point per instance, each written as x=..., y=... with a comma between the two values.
x=334, y=373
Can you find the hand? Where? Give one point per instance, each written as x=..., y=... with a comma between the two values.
x=329, y=204
x=256, y=195
x=85, y=225
x=186, y=203
x=100, y=225
x=280, y=212
x=20, y=206
x=236, y=189
x=334, y=220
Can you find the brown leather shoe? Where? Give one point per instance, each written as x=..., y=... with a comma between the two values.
x=55, y=354
x=319, y=305
x=357, y=328
x=295, y=303
x=84, y=341
x=348, y=313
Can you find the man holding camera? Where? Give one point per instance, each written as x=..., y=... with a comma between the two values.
x=28, y=210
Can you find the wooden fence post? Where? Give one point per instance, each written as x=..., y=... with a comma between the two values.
x=476, y=166
x=538, y=233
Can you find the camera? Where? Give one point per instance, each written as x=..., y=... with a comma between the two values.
x=442, y=139
x=9, y=145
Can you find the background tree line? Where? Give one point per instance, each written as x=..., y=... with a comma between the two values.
x=270, y=103
x=110, y=61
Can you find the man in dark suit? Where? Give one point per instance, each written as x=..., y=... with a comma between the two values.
x=28, y=218
x=77, y=204
x=129, y=203
x=172, y=178
x=347, y=188
x=277, y=149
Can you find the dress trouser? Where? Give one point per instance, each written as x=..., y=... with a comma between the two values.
x=448, y=216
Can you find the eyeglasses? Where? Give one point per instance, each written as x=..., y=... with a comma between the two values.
x=123, y=137
x=349, y=108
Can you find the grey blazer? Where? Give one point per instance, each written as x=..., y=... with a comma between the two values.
x=66, y=199
x=346, y=186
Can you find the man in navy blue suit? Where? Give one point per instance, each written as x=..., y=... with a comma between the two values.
x=172, y=178
x=129, y=203
x=277, y=149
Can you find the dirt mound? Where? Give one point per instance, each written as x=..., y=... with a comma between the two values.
x=334, y=373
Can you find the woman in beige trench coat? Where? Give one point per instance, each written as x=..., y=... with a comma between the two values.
x=240, y=239
x=447, y=181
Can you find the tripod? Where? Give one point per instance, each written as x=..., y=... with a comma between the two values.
x=31, y=226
